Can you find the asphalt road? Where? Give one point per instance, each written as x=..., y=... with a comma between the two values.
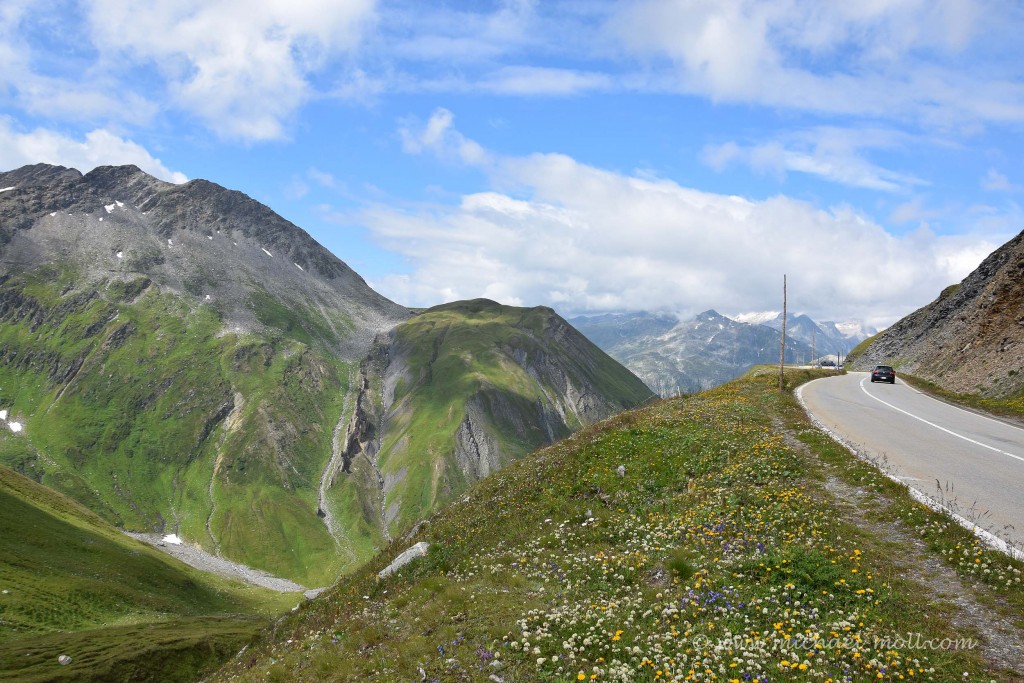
x=971, y=462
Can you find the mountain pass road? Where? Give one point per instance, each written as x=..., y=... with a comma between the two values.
x=977, y=461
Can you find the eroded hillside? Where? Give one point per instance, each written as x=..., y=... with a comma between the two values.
x=971, y=338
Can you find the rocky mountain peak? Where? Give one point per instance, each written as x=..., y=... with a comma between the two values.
x=218, y=245
x=710, y=315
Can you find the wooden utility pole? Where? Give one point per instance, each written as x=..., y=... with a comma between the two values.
x=782, y=343
x=813, y=335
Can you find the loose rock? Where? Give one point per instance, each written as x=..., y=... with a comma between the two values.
x=407, y=556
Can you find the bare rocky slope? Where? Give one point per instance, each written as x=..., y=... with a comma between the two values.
x=226, y=249
x=971, y=338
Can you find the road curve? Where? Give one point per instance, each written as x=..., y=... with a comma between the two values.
x=972, y=463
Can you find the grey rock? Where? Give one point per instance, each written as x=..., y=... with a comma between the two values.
x=217, y=245
x=407, y=556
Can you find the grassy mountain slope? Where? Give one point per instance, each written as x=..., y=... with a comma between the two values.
x=468, y=387
x=65, y=572
x=721, y=550
x=180, y=358
x=184, y=360
x=137, y=404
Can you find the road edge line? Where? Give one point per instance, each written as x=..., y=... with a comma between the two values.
x=993, y=541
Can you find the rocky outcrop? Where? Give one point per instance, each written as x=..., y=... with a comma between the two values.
x=476, y=453
x=405, y=557
x=467, y=387
x=116, y=223
x=971, y=338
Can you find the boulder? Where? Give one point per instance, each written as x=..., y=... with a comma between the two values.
x=407, y=556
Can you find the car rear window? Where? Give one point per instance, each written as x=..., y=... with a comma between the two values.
x=884, y=367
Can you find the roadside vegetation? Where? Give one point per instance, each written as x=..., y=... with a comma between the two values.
x=859, y=349
x=703, y=538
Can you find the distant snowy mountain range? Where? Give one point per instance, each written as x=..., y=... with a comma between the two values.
x=673, y=355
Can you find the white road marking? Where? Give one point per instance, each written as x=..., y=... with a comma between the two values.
x=962, y=410
x=940, y=428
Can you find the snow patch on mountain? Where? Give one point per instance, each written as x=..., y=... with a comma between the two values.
x=755, y=318
x=855, y=329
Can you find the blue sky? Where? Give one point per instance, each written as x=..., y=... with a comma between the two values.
x=661, y=154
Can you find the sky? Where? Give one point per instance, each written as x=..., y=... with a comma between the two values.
x=589, y=155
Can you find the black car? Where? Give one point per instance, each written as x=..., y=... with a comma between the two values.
x=883, y=373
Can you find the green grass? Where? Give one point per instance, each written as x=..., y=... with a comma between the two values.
x=719, y=552
x=72, y=584
x=463, y=352
x=63, y=568
x=177, y=650
x=860, y=348
x=125, y=393
x=296, y=320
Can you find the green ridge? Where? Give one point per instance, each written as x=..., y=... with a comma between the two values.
x=479, y=352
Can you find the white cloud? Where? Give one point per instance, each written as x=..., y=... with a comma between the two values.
x=833, y=154
x=533, y=80
x=580, y=238
x=994, y=181
x=321, y=178
x=240, y=65
x=98, y=148
x=455, y=36
x=35, y=76
x=922, y=59
x=438, y=136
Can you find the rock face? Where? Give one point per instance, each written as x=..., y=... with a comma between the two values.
x=971, y=338
x=469, y=386
x=227, y=250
